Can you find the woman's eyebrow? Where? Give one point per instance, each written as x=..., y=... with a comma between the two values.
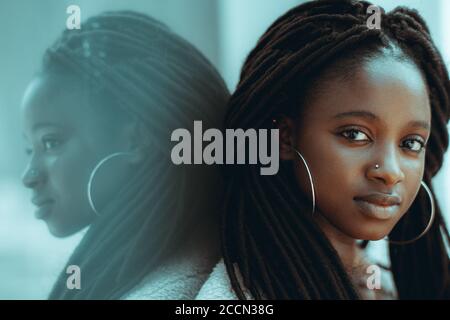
x=419, y=124
x=46, y=124
x=356, y=113
x=371, y=116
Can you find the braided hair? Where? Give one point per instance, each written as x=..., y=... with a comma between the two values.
x=271, y=246
x=144, y=70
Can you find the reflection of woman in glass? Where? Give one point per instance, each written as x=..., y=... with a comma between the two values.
x=98, y=118
x=362, y=115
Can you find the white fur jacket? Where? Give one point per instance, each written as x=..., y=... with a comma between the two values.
x=217, y=286
x=177, y=279
x=198, y=278
x=193, y=278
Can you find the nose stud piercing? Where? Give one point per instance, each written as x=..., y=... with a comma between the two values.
x=33, y=173
x=377, y=166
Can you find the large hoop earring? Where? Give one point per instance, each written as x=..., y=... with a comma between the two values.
x=430, y=223
x=313, y=194
x=92, y=175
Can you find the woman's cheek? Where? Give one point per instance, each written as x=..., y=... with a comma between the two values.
x=69, y=173
x=322, y=170
x=333, y=161
x=412, y=187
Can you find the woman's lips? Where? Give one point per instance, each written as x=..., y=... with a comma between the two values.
x=378, y=206
x=43, y=209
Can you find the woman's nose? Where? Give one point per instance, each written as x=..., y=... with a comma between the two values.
x=389, y=169
x=32, y=177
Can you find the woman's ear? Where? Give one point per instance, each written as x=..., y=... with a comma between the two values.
x=286, y=127
x=137, y=140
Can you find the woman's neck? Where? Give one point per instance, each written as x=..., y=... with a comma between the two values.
x=346, y=247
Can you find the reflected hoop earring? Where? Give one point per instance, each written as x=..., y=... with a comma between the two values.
x=430, y=223
x=313, y=194
x=93, y=173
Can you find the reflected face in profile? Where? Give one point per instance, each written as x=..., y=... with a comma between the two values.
x=381, y=116
x=66, y=137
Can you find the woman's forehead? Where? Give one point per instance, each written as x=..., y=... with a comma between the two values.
x=54, y=100
x=391, y=89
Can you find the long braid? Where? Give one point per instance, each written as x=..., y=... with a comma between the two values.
x=284, y=254
x=149, y=73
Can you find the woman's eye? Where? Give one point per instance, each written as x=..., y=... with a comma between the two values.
x=414, y=145
x=50, y=143
x=355, y=135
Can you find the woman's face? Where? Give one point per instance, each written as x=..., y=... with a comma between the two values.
x=380, y=116
x=66, y=138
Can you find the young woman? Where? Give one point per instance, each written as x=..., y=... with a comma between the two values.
x=98, y=118
x=362, y=117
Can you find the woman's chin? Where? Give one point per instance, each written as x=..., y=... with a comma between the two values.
x=62, y=230
x=372, y=235
x=371, y=230
x=58, y=232
x=375, y=237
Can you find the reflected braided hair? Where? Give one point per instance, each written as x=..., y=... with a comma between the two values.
x=271, y=246
x=143, y=70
